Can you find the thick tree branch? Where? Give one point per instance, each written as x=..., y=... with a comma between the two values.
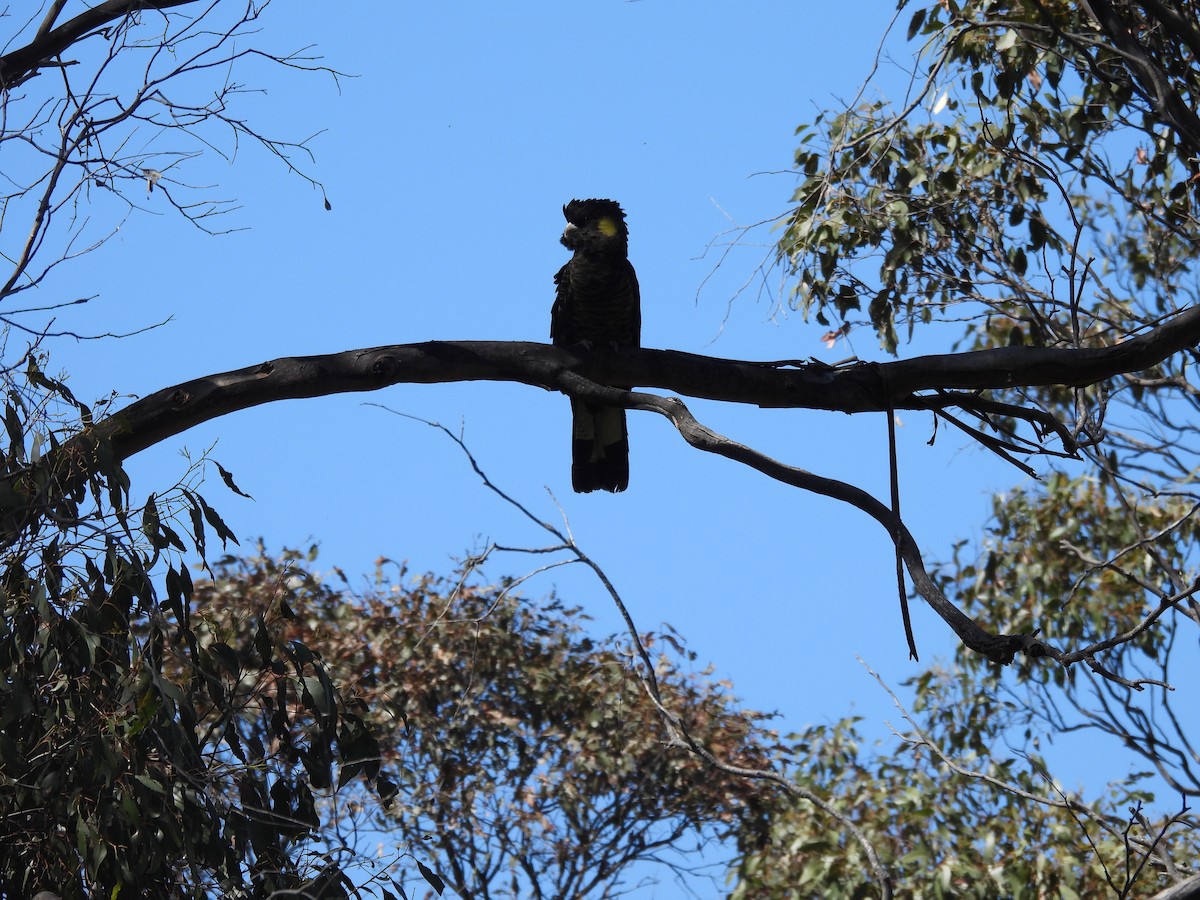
x=29, y=493
x=1155, y=82
x=51, y=17
x=22, y=64
x=1187, y=890
x=790, y=384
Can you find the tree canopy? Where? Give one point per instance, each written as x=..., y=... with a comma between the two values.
x=1036, y=188
x=1029, y=206
x=524, y=756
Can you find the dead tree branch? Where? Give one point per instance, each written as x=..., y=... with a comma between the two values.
x=22, y=64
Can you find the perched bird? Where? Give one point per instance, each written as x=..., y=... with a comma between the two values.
x=597, y=304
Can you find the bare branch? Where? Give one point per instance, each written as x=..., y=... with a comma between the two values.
x=679, y=734
x=22, y=64
x=1187, y=890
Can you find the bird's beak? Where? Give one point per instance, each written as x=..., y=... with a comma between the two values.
x=570, y=230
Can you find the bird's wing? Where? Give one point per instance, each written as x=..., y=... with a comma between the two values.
x=560, y=312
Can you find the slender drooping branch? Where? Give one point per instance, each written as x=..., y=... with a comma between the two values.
x=679, y=734
x=998, y=648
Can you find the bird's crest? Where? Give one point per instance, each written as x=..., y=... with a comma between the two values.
x=607, y=214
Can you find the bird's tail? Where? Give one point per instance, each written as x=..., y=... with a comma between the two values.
x=599, y=448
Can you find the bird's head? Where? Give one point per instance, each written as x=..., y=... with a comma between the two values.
x=595, y=226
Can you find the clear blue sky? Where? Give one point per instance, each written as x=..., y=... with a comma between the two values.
x=447, y=161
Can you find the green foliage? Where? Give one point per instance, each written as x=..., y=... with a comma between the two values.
x=1037, y=186
x=1081, y=560
x=947, y=831
x=1086, y=561
x=1028, y=172
x=159, y=737
x=120, y=770
x=118, y=776
x=525, y=755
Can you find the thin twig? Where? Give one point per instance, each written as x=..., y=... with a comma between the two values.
x=678, y=732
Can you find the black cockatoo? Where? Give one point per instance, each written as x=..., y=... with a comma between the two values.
x=597, y=304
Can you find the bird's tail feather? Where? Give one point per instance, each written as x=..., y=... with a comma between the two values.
x=599, y=448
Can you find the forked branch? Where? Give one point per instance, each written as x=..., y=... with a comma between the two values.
x=28, y=495
x=23, y=63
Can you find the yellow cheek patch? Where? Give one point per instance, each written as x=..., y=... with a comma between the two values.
x=607, y=227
